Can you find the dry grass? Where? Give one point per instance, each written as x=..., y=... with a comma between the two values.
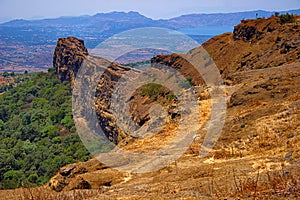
x=44, y=194
x=279, y=184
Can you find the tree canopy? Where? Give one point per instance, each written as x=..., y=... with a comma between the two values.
x=37, y=131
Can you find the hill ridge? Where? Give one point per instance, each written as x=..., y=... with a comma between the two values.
x=235, y=16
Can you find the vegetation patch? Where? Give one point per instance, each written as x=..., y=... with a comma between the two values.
x=286, y=18
x=153, y=90
x=186, y=83
x=37, y=131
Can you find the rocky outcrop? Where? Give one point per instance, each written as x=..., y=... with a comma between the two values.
x=103, y=95
x=68, y=56
x=81, y=176
x=256, y=29
x=71, y=54
x=246, y=33
x=253, y=43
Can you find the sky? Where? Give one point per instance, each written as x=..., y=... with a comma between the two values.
x=155, y=9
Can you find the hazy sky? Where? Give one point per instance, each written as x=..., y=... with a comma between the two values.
x=26, y=9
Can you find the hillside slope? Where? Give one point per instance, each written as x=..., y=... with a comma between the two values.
x=37, y=131
x=256, y=44
x=257, y=154
x=259, y=141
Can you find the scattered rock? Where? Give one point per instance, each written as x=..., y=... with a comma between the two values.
x=252, y=91
x=79, y=183
x=66, y=171
x=57, y=183
x=288, y=156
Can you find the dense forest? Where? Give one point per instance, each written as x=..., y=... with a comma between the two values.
x=37, y=131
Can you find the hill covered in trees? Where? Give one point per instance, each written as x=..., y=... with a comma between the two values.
x=38, y=135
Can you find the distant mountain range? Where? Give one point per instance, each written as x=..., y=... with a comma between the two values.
x=96, y=28
x=30, y=43
x=133, y=19
x=219, y=19
x=99, y=27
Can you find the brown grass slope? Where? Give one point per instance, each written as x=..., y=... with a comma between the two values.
x=256, y=44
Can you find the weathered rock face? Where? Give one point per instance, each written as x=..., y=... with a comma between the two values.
x=245, y=32
x=103, y=94
x=71, y=54
x=68, y=57
x=256, y=29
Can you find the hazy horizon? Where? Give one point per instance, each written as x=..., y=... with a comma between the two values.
x=156, y=9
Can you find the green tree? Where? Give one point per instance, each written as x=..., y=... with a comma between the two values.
x=35, y=125
x=33, y=178
x=5, y=74
x=7, y=162
x=68, y=121
x=287, y=18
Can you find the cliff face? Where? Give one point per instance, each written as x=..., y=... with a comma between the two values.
x=68, y=56
x=71, y=54
x=103, y=95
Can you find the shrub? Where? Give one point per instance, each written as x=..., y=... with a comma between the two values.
x=5, y=74
x=152, y=90
x=67, y=121
x=186, y=83
x=286, y=18
x=33, y=178
x=171, y=97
